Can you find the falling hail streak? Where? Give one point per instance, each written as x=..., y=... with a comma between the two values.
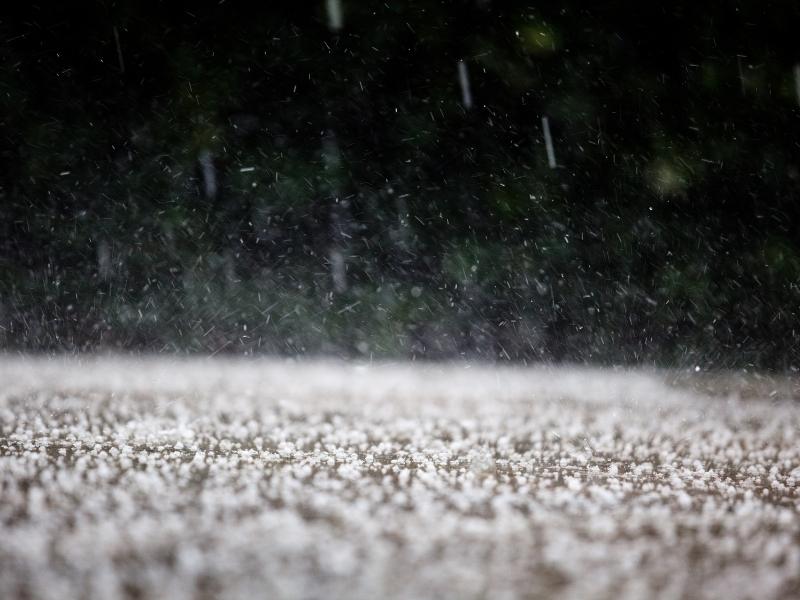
x=548, y=143
x=338, y=270
x=463, y=79
x=334, y=8
x=797, y=81
x=103, y=260
x=119, y=51
x=209, y=174
x=742, y=85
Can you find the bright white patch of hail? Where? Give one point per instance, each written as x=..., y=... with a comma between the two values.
x=180, y=479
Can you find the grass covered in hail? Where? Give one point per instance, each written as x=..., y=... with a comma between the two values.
x=151, y=478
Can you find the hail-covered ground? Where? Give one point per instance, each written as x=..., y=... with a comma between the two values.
x=123, y=478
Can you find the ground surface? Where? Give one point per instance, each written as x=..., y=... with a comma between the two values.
x=212, y=478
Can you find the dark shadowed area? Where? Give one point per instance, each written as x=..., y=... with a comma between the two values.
x=606, y=183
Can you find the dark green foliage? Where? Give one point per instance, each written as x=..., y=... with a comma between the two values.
x=669, y=233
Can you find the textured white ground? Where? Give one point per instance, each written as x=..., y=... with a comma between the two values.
x=265, y=479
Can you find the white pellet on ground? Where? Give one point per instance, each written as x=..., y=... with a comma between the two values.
x=123, y=478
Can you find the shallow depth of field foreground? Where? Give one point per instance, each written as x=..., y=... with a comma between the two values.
x=268, y=479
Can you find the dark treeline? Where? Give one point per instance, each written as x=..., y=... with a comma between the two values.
x=369, y=178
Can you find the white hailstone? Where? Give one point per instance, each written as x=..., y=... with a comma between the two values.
x=481, y=461
x=348, y=471
x=286, y=449
x=403, y=477
x=676, y=482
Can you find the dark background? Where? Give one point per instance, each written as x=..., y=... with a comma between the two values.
x=232, y=177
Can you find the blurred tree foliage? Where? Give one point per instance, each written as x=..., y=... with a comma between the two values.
x=220, y=177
